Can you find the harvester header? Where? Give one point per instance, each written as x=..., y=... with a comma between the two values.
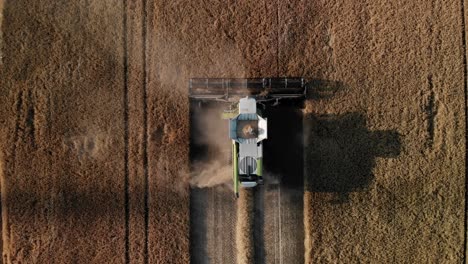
x=231, y=89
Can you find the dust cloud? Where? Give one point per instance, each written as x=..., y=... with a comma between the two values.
x=212, y=162
x=211, y=174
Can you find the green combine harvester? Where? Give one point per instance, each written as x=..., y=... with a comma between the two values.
x=247, y=128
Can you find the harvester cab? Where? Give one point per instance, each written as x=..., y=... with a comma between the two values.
x=247, y=127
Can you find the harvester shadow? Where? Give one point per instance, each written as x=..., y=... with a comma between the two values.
x=340, y=153
x=323, y=89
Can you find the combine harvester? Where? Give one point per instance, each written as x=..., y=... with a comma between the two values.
x=247, y=127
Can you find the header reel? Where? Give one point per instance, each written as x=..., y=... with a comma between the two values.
x=261, y=89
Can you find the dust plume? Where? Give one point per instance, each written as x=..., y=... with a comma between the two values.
x=244, y=227
x=211, y=174
x=212, y=164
